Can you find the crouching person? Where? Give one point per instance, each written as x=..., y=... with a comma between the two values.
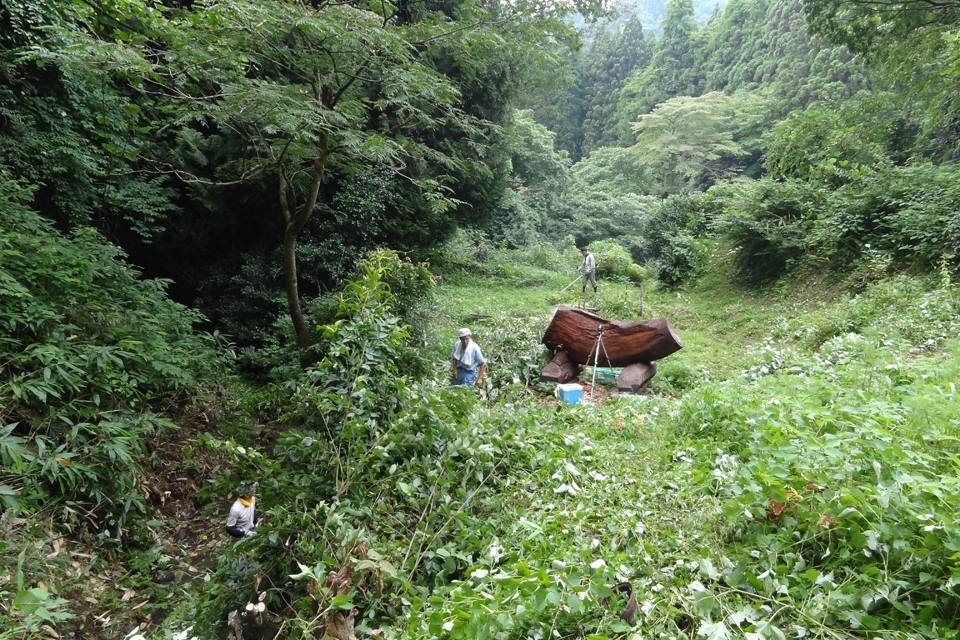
x=242, y=519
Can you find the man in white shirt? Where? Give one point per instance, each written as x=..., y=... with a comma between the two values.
x=467, y=364
x=588, y=270
x=242, y=519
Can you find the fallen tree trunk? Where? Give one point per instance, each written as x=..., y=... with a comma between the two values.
x=634, y=376
x=560, y=369
x=575, y=331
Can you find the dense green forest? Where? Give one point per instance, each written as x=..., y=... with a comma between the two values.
x=237, y=240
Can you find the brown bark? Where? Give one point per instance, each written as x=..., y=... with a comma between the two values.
x=560, y=369
x=293, y=292
x=294, y=222
x=621, y=343
x=634, y=376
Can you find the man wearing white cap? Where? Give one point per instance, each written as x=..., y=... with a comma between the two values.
x=467, y=364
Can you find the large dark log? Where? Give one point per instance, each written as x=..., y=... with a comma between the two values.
x=634, y=376
x=561, y=369
x=622, y=343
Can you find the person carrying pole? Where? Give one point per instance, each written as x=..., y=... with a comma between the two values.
x=588, y=270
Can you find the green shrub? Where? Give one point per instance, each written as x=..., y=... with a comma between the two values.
x=879, y=220
x=93, y=357
x=411, y=288
x=675, y=378
x=915, y=212
x=614, y=261
x=769, y=223
x=515, y=222
x=900, y=310
x=546, y=256
x=514, y=352
x=467, y=251
x=831, y=144
x=672, y=237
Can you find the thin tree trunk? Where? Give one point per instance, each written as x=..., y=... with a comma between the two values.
x=293, y=291
x=294, y=222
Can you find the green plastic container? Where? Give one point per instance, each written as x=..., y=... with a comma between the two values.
x=605, y=375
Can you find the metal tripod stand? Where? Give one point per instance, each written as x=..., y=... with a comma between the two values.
x=597, y=345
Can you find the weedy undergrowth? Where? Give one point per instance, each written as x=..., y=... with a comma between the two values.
x=810, y=495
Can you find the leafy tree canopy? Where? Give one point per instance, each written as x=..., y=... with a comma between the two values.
x=685, y=143
x=868, y=26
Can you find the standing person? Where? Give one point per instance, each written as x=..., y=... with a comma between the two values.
x=241, y=521
x=467, y=364
x=588, y=270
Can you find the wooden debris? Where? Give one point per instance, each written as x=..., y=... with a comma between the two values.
x=560, y=369
x=634, y=376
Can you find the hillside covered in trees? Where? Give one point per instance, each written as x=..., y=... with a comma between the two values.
x=237, y=239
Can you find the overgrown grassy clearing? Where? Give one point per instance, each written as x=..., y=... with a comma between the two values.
x=486, y=306
x=809, y=495
x=602, y=504
x=719, y=325
x=834, y=498
x=799, y=484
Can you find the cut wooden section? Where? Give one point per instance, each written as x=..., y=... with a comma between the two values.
x=561, y=369
x=634, y=376
x=623, y=343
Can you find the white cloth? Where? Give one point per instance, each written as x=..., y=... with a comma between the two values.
x=242, y=516
x=469, y=357
x=589, y=264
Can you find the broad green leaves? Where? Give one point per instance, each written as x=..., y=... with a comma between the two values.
x=92, y=356
x=867, y=27
x=74, y=128
x=912, y=44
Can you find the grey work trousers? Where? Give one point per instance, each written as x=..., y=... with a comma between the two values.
x=589, y=277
